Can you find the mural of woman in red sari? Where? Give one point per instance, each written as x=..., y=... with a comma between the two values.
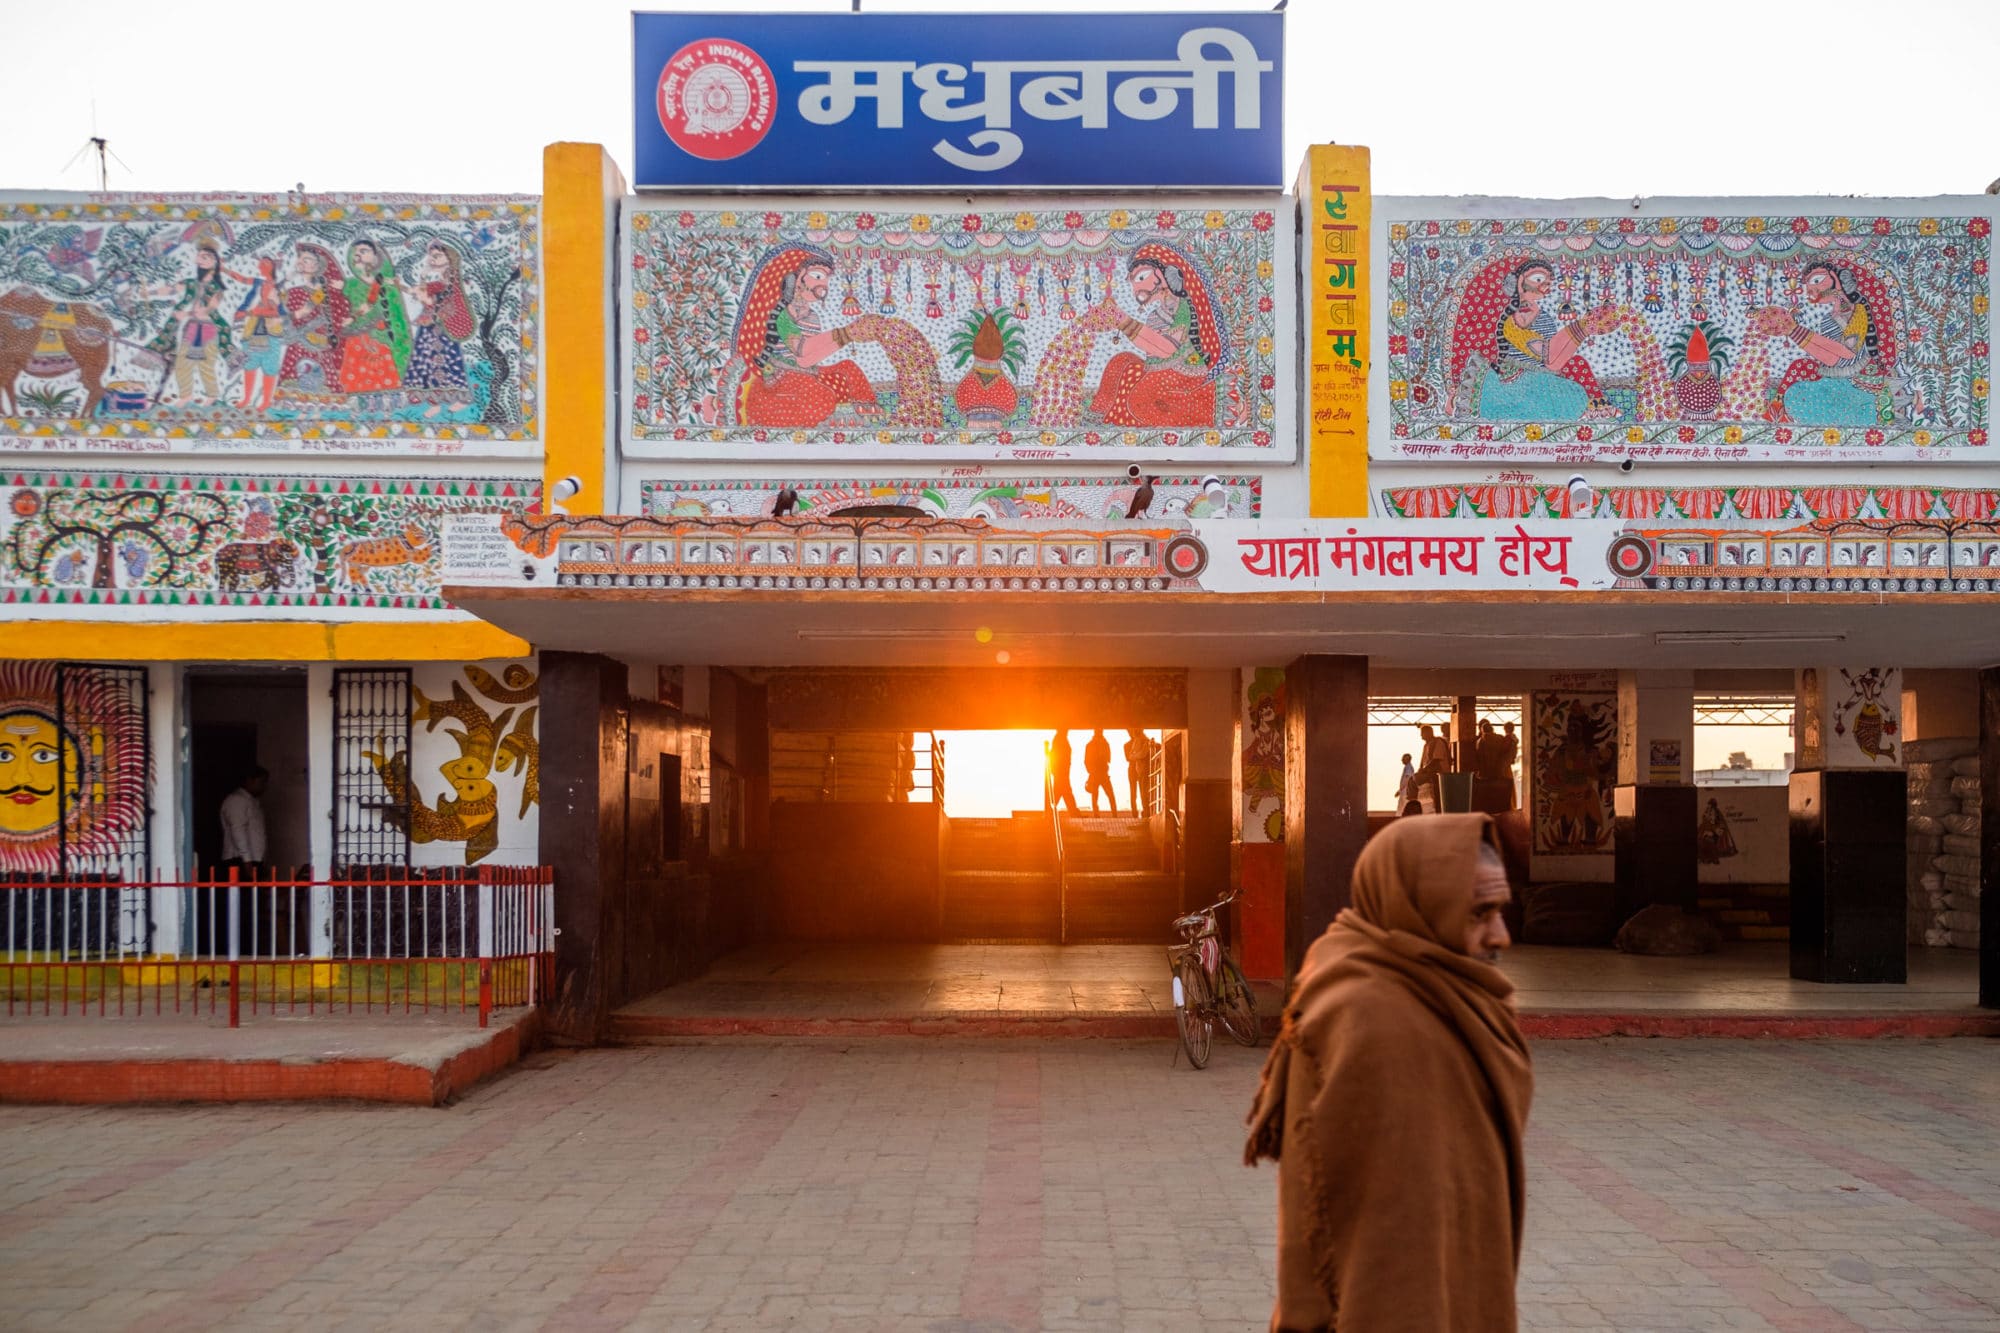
x=1170, y=379
x=785, y=350
x=317, y=310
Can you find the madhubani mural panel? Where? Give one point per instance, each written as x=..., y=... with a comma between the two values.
x=1154, y=328
x=1575, y=756
x=960, y=496
x=74, y=768
x=232, y=546
x=472, y=777
x=1861, y=333
x=1264, y=754
x=269, y=323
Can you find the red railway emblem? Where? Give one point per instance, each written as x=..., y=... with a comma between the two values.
x=716, y=99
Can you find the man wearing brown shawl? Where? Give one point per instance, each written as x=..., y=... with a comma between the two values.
x=1395, y=1098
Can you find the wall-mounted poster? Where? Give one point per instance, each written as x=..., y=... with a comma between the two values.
x=269, y=323
x=1663, y=761
x=1813, y=329
x=1150, y=328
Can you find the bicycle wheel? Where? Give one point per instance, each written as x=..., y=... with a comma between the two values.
x=1192, y=1011
x=1236, y=1006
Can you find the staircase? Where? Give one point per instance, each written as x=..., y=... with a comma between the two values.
x=999, y=880
x=1114, y=889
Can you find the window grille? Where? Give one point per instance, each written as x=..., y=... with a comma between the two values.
x=371, y=768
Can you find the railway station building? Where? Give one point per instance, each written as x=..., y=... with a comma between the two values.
x=735, y=531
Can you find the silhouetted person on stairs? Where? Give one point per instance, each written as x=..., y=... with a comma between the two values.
x=1097, y=771
x=1061, y=756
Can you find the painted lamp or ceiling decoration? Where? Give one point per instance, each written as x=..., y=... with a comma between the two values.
x=77, y=777
x=960, y=497
x=1700, y=503
x=286, y=323
x=1716, y=338
x=1145, y=329
x=1863, y=712
x=345, y=544
x=1575, y=740
x=492, y=729
x=1264, y=755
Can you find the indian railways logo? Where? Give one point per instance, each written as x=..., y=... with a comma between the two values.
x=716, y=99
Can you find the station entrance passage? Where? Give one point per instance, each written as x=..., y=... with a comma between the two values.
x=973, y=837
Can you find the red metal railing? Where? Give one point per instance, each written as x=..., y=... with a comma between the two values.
x=375, y=940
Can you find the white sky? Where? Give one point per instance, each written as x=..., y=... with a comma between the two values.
x=1745, y=97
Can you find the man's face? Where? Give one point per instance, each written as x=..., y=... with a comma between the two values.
x=31, y=751
x=1485, y=932
x=255, y=786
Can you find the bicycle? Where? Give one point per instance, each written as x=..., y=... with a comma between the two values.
x=1208, y=986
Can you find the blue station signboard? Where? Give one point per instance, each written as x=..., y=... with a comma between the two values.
x=957, y=101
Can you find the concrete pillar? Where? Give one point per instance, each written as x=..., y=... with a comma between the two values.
x=583, y=733
x=1989, y=838
x=1849, y=817
x=1209, y=788
x=1326, y=792
x=1655, y=808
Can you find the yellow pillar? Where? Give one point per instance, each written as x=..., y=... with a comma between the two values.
x=1334, y=198
x=581, y=187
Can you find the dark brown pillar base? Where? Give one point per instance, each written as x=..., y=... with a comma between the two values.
x=1326, y=792
x=1848, y=899
x=1657, y=856
x=1989, y=838
x=583, y=700
x=1205, y=842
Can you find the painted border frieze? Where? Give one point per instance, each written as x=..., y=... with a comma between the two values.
x=1158, y=328
x=245, y=547
x=390, y=324
x=969, y=496
x=1793, y=502
x=1858, y=335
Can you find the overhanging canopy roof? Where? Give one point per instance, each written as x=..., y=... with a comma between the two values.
x=774, y=627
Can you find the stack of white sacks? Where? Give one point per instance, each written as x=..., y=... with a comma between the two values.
x=1944, y=842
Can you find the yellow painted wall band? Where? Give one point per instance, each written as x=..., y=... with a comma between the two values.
x=258, y=641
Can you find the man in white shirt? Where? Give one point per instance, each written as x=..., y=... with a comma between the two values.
x=243, y=824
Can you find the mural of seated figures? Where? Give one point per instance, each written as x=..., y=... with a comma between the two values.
x=1667, y=336
x=269, y=323
x=1149, y=330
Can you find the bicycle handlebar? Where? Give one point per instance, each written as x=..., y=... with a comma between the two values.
x=1212, y=908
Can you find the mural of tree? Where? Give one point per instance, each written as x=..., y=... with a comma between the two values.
x=318, y=523
x=158, y=538
x=687, y=317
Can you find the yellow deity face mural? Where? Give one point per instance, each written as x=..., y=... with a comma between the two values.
x=73, y=774
x=35, y=757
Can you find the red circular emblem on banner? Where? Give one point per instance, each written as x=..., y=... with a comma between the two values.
x=1631, y=557
x=716, y=98
x=1186, y=557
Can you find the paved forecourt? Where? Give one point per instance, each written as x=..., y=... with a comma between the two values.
x=932, y=1185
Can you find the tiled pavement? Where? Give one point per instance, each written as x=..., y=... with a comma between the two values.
x=946, y=1185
